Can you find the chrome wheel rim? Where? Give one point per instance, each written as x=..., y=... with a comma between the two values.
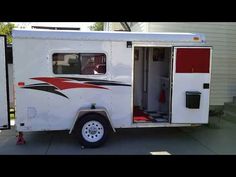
x=92, y=131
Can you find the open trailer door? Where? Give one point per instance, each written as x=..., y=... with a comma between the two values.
x=4, y=91
x=191, y=84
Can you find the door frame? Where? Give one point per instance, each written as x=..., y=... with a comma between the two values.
x=145, y=71
x=7, y=85
x=141, y=45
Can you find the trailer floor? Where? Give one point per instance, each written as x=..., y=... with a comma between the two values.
x=193, y=140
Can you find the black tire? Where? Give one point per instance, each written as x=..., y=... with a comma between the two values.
x=87, y=118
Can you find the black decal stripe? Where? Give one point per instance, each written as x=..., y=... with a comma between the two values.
x=46, y=88
x=36, y=85
x=108, y=83
x=81, y=79
x=89, y=79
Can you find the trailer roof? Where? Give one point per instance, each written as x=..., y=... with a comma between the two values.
x=108, y=36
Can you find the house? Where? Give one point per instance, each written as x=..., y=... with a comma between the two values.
x=55, y=28
x=116, y=26
x=50, y=25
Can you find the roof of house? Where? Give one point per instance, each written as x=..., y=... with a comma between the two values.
x=108, y=36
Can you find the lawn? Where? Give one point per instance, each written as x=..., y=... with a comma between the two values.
x=12, y=114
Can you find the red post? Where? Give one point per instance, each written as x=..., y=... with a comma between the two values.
x=20, y=139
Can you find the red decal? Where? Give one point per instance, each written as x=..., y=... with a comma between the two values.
x=21, y=84
x=62, y=83
x=193, y=60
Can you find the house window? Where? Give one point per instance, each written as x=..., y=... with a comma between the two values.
x=79, y=63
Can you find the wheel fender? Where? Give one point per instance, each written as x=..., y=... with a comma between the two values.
x=82, y=112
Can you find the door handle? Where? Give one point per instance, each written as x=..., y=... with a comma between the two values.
x=206, y=86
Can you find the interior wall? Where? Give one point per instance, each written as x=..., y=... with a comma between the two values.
x=138, y=78
x=165, y=106
x=157, y=69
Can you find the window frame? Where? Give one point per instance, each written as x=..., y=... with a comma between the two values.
x=77, y=52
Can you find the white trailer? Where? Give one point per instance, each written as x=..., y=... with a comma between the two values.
x=91, y=82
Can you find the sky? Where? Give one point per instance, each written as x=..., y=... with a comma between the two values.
x=83, y=25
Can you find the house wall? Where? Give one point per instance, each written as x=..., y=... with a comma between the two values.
x=139, y=27
x=222, y=36
x=112, y=26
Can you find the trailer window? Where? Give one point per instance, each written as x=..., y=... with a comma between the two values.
x=79, y=63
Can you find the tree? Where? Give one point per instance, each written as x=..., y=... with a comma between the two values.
x=6, y=29
x=98, y=26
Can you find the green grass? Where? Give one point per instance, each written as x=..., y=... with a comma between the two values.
x=12, y=114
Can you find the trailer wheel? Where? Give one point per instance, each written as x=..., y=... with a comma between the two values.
x=92, y=130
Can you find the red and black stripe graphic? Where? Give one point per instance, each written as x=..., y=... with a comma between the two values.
x=45, y=87
x=54, y=84
x=97, y=81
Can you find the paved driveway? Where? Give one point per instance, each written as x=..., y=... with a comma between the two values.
x=192, y=140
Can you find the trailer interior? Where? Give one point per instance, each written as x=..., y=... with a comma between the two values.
x=152, y=71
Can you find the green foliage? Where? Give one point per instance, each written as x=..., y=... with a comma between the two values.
x=98, y=26
x=6, y=29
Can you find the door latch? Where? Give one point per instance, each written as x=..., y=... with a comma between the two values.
x=206, y=86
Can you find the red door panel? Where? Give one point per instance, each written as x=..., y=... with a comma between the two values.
x=193, y=60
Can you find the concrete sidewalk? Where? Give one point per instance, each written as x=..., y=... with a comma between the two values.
x=192, y=140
